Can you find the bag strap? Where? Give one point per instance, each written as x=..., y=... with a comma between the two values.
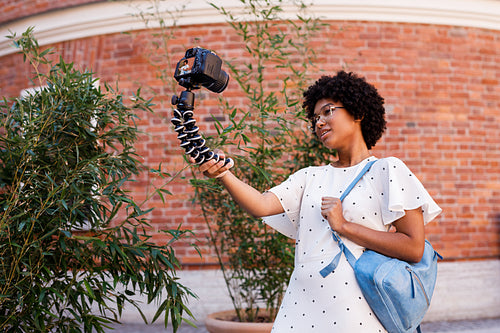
x=343, y=249
x=356, y=180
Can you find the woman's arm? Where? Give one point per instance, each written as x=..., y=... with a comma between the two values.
x=255, y=203
x=407, y=243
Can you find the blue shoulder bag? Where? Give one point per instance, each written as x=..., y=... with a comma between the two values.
x=399, y=293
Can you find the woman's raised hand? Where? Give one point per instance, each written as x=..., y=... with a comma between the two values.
x=213, y=169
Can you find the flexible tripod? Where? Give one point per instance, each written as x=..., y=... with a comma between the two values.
x=187, y=131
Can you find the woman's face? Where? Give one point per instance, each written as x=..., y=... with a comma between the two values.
x=335, y=127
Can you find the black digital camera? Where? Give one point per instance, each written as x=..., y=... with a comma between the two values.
x=201, y=67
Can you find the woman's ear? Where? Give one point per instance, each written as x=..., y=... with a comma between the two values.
x=359, y=119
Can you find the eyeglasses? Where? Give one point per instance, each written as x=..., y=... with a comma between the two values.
x=325, y=113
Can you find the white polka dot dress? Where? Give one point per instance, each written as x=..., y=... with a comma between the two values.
x=335, y=303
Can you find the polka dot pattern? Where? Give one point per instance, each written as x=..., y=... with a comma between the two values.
x=335, y=303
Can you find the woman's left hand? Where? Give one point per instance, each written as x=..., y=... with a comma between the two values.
x=331, y=209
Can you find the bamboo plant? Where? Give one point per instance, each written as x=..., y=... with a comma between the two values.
x=74, y=245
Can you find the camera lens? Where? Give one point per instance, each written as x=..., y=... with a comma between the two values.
x=219, y=84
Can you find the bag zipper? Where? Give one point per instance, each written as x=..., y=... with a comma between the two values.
x=420, y=283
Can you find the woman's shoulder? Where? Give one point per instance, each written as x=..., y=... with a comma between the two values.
x=308, y=172
x=390, y=162
x=312, y=169
x=390, y=168
x=298, y=179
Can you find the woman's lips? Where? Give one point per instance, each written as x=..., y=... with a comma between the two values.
x=323, y=133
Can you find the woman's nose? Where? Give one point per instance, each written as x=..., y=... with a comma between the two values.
x=320, y=123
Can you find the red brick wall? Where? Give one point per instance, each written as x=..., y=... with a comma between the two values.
x=441, y=86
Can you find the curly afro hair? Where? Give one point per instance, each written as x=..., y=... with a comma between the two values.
x=358, y=97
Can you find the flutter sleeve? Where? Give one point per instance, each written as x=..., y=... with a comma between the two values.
x=401, y=190
x=290, y=195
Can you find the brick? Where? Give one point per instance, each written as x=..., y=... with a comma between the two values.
x=441, y=89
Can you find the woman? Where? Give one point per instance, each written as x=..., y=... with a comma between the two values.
x=347, y=115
